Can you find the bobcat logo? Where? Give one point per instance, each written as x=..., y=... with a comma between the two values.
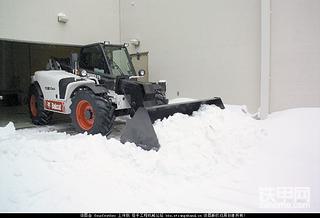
x=54, y=105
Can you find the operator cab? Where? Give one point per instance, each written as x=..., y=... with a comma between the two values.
x=106, y=60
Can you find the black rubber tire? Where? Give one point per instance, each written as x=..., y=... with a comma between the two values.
x=42, y=116
x=103, y=112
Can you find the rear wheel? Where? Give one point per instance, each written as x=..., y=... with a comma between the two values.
x=39, y=116
x=92, y=113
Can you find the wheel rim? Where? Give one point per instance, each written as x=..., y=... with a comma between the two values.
x=33, y=106
x=85, y=115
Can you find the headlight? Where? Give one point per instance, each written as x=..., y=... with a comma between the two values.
x=83, y=73
x=141, y=72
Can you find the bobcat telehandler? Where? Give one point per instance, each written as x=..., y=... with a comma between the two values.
x=98, y=85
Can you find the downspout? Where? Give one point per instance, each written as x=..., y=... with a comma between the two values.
x=265, y=59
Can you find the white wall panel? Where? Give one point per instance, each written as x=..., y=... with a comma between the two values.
x=295, y=54
x=36, y=21
x=202, y=48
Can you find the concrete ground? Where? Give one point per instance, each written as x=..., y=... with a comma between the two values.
x=16, y=114
x=19, y=115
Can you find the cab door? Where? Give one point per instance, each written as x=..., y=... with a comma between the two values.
x=92, y=59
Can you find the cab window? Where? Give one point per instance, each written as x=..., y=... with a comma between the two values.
x=92, y=59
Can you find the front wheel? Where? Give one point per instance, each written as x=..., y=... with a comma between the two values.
x=38, y=115
x=92, y=113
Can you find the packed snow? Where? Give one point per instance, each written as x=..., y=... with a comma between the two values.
x=213, y=161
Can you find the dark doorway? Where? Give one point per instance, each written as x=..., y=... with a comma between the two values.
x=18, y=61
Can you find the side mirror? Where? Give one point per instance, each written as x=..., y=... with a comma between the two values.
x=141, y=72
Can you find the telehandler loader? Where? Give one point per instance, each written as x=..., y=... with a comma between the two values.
x=96, y=86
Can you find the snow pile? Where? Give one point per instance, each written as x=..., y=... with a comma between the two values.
x=50, y=171
x=7, y=131
x=213, y=161
x=208, y=142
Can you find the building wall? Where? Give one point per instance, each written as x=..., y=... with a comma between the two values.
x=202, y=48
x=295, y=54
x=36, y=21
